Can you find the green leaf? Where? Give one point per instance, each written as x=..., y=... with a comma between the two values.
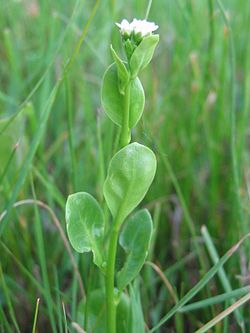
x=113, y=100
x=130, y=173
x=123, y=74
x=96, y=312
x=85, y=225
x=135, y=239
x=143, y=54
x=136, y=319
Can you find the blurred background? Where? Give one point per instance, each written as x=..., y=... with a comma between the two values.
x=55, y=140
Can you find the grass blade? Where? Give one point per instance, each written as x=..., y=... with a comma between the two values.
x=216, y=299
x=221, y=272
x=206, y=278
x=224, y=314
x=35, y=316
x=43, y=120
x=8, y=301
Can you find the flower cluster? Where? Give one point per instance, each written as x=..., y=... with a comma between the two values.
x=140, y=28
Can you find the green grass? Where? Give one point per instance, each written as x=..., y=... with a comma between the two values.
x=55, y=140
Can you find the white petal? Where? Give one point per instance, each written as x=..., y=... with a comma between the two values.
x=143, y=27
x=125, y=27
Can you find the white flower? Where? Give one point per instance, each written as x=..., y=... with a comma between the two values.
x=138, y=27
x=143, y=27
x=125, y=27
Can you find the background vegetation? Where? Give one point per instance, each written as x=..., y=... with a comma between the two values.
x=55, y=140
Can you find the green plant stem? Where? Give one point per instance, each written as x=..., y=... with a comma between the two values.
x=110, y=272
x=110, y=279
x=125, y=131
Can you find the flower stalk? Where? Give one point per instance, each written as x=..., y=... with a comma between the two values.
x=110, y=280
x=132, y=34
x=130, y=174
x=110, y=276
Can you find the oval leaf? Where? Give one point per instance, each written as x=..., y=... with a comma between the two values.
x=85, y=224
x=134, y=239
x=113, y=100
x=143, y=54
x=131, y=172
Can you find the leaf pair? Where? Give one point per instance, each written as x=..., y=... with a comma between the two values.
x=95, y=308
x=85, y=226
x=117, y=77
x=130, y=174
x=113, y=99
x=129, y=314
